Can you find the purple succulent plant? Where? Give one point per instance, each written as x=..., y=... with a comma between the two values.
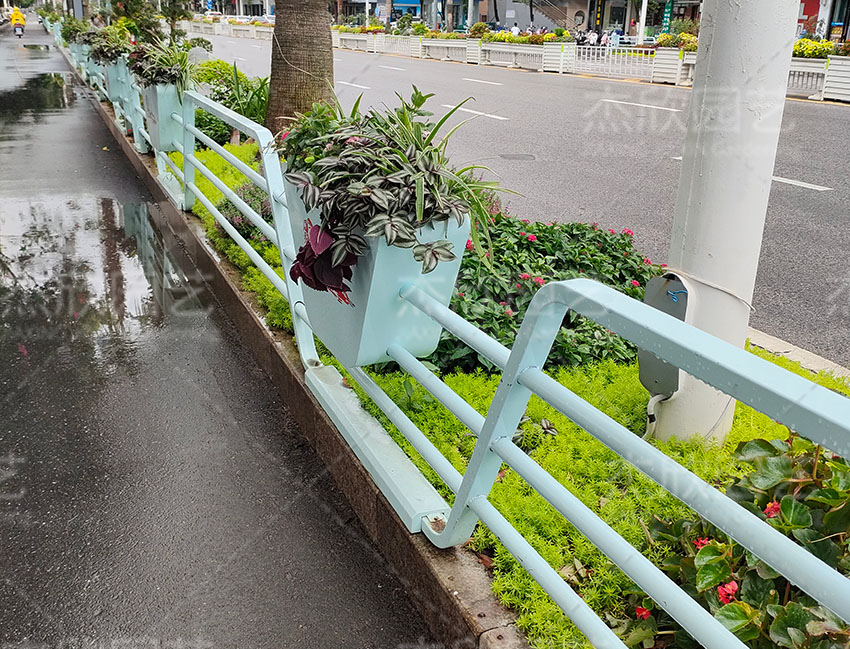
x=314, y=264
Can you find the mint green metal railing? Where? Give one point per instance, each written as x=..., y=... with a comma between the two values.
x=816, y=413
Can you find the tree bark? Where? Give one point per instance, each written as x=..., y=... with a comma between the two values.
x=302, y=60
x=495, y=10
x=389, y=12
x=339, y=12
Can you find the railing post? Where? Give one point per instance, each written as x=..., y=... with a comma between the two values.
x=188, y=150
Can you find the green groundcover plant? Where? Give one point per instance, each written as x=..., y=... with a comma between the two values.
x=798, y=488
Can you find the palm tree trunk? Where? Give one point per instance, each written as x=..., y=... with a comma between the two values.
x=389, y=12
x=302, y=60
x=495, y=10
x=339, y=11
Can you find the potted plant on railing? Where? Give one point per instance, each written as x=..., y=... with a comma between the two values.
x=164, y=72
x=110, y=48
x=374, y=205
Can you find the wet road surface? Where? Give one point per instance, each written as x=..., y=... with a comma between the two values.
x=153, y=490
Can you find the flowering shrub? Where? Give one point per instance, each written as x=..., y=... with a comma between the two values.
x=807, y=48
x=444, y=35
x=688, y=42
x=525, y=38
x=527, y=256
x=478, y=30
x=258, y=200
x=361, y=29
x=801, y=490
x=842, y=49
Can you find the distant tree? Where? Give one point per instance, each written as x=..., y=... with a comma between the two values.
x=172, y=11
x=143, y=15
x=302, y=60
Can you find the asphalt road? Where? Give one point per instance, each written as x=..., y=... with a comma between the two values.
x=154, y=491
x=574, y=153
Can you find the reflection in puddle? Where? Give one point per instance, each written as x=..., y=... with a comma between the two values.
x=39, y=48
x=43, y=92
x=89, y=267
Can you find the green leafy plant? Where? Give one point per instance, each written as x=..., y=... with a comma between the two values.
x=382, y=175
x=161, y=63
x=684, y=26
x=258, y=200
x=478, y=30
x=111, y=43
x=72, y=28
x=420, y=29
x=803, y=491
x=495, y=297
x=216, y=129
x=203, y=43
x=842, y=49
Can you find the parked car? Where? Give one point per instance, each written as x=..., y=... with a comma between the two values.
x=266, y=18
x=212, y=14
x=242, y=20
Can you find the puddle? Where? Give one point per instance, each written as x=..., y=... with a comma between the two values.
x=82, y=268
x=39, y=48
x=40, y=93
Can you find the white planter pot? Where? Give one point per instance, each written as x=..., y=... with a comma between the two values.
x=159, y=103
x=837, y=81
x=359, y=326
x=667, y=65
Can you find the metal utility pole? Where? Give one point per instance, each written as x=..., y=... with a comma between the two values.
x=736, y=111
x=470, y=9
x=642, y=23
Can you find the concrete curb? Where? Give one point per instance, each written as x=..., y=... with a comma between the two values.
x=451, y=588
x=807, y=359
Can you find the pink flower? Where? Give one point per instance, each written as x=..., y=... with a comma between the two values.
x=502, y=303
x=594, y=225
x=519, y=285
x=647, y=261
x=531, y=237
x=726, y=592
x=663, y=265
x=635, y=282
x=611, y=231
x=539, y=280
x=772, y=510
x=525, y=276
x=461, y=294
x=283, y=135
x=76, y=315
x=550, y=224
x=628, y=232
x=508, y=312
x=469, y=244
x=642, y=613
x=525, y=221
x=22, y=350
x=522, y=234
x=701, y=543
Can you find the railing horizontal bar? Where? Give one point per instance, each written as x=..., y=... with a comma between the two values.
x=246, y=210
x=252, y=175
x=801, y=567
x=686, y=611
x=452, y=322
x=467, y=415
x=278, y=282
x=260, y=133
x=424, y=446
x=170, y=164
x=580, y=614
x=301, y=312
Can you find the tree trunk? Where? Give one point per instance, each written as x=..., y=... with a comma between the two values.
x=495, y=10
x=531, y=11
x=302, y=60
x=388, y=8
x=339, y=12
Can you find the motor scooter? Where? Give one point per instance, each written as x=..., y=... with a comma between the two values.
x=18, y=29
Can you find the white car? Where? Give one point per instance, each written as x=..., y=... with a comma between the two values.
x=267, y=19
x=212, y=14
x=241, y=20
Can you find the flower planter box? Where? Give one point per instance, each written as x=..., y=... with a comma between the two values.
x=837, y=80
x=667, y=65
x=159, y=103
x=114, y=73
x=359, y=326
x=265, y=33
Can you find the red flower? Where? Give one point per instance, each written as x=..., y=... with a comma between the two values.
x=283, y=135
x=726, y=592
x=635, y=282
x=663, y=265
x=522, y=234
x=469, y=244
x=772, y=510
x=531, y=237
x=647, y=262
x=642, y=613
x=508, y=312
x=701, y=543
x=611, y=231
x=502, y=303
x=461, y=294
x=628, y=232
x=539, y=280
x=525, y=276
x=525, y=221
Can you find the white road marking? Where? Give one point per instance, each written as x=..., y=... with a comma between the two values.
x=475, y=112
x=354, y=85
x=630, y=103
x=788, y=181
x=259, y=47
x=489, y=83
x=239, y=58
x=337, y=60
x=800, y=183
x=389, y=67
